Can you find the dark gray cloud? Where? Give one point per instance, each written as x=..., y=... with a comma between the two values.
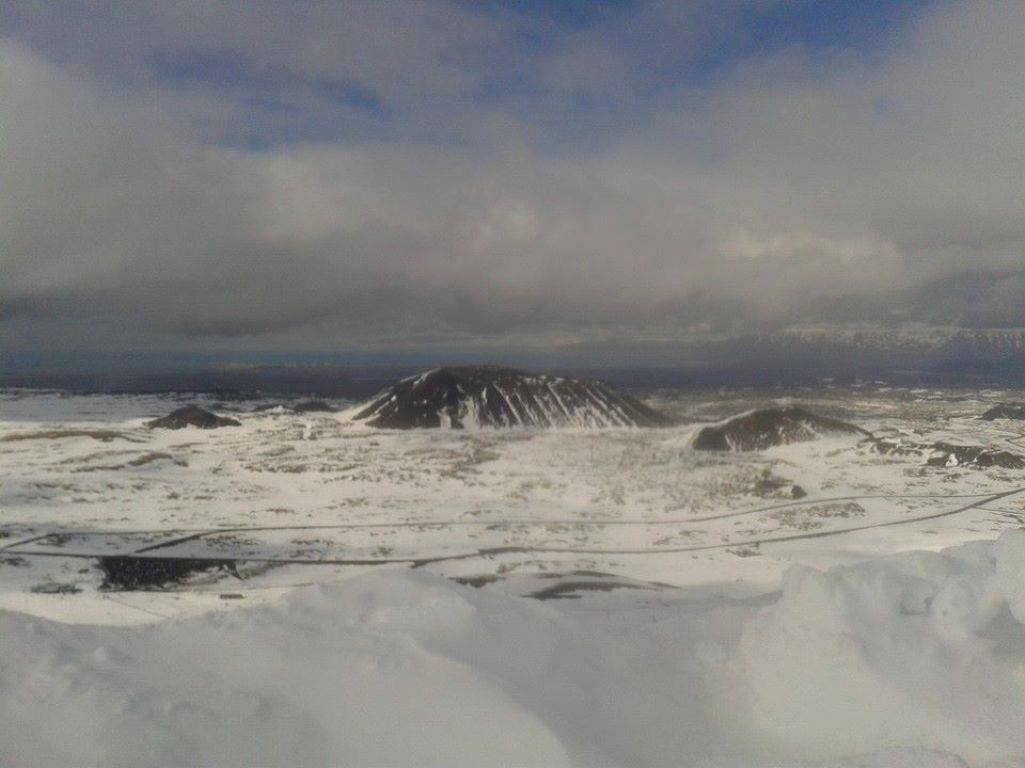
x=851, y=187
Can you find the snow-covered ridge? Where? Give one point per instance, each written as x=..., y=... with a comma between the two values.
x=903, y=338
x=487, y=396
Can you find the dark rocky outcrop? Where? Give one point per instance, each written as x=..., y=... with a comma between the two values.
x=1005, y=411
x=768, y=427
x=490, y=396
x=942, y=454
x=947, y=455
x=192, y=416
x=769, y=486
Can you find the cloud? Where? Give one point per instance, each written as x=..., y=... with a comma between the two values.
x=795, y=186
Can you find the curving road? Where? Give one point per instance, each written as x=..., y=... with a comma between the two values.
x=17, y=547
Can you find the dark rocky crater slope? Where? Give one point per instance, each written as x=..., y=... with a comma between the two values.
x=1005, y=411
x=768, y=427
x=192, y=416
x=489, y=396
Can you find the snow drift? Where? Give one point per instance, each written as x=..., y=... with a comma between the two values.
x=914, y=659
x=921, y=649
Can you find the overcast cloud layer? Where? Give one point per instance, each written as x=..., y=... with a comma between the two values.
x=348, y=175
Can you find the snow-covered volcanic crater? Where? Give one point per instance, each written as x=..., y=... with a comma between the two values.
x=491, y=396
x=764, y=428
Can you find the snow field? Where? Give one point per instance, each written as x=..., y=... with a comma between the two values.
x=872, y=622
x=913, y=659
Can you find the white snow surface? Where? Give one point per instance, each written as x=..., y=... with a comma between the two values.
x=877, y=621
x=913, y=659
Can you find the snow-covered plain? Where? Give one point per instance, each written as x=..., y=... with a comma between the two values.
x=387, y=607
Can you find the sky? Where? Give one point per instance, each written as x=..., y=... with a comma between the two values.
x=217, y=178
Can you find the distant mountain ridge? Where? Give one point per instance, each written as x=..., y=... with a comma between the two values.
x=812, y=355
x=900, y=356
x=919, y=340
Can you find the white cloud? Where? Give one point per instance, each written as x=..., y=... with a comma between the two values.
x=794, y=179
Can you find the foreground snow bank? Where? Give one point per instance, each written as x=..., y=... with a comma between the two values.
x=395, y=668
x=916, y=649
x=333, y=676
x=911, y=660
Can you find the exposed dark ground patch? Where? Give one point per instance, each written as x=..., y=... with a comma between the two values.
x=149, y=458
x=579, y=573
x=570, y=590
x=476, y=581
x=769, y=486
x=53, y=588
x=127, y=572
x=570, y=585
x=103, y=435
x=576, y=582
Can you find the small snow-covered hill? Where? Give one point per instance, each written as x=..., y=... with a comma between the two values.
x=490, y=396
x=761, y=429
